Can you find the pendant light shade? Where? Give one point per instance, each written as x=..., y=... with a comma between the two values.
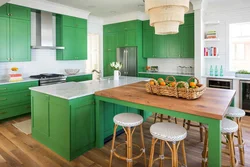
x=166, y=15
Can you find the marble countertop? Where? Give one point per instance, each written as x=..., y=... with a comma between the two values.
x=167, y=73
x=226, y=77
x=2, y=82
x=79, y=74
x=72, y=90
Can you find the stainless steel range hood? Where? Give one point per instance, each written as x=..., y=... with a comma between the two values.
x=44, y=32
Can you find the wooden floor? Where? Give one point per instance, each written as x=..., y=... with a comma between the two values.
x=18, y=149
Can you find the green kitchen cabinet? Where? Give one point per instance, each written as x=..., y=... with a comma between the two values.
x=174, y=46
x=79, y=78
x=187, y=41
x=20, y=40
x=4, y=39
x=19, y=12
x=110, y=42
x=130, y=38
x=148, y=43
x=109, y=57
x=4, y=11
x=70, y=29
x=15, y=99
x=108, y=115
x=159, y=46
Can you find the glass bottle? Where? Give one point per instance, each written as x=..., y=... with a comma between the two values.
x=221, y=71
x=211, y=71
x=216, y=71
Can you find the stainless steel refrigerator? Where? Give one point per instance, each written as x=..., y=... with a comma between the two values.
x=128, y=57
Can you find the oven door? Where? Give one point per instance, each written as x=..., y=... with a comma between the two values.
x=245, y=95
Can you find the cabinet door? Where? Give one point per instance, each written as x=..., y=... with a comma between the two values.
x=173, y=46
x=68, y=43
x=110, y=42
x=20, y=40
x=187, y=41
x=4, y=39
x=109, y=113
x=81, y=23
x=130, y=25
x=121, y=39
x=68, y=21
x=81, y=44
x=159, y=46
x=148, y=43
x=19, y=12
x=4, y=11
x=107, y=59
x=130, y=38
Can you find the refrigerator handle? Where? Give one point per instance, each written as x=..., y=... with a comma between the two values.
x=126, y=62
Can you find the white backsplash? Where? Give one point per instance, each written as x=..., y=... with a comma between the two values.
x=43, y=61
x=170, y=65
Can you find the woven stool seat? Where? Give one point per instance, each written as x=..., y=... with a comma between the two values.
x=168, y=131
x=228, y=126
x=235, y=112
x=128, y=119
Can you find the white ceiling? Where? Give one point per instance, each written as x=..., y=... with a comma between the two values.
x=104, y=8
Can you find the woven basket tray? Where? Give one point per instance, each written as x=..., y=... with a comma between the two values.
x=184, y=92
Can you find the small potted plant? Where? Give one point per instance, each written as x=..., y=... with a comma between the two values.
x=243, y=74
x=116, y=66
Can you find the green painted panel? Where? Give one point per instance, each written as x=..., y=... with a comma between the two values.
x=121, y=39
x=148, y=43
x=19, y=86
x=4, y=11
x=130, y=25
x=187, y=41
x=130, y=38
x=14, y=111
x=68, y=21
x=70, y=49
x=4, y=39
x=109, y=113
x=14, y=98
x=109, y=28
x=173, y=46
x=79, y=78
x=81, y=44
x=110, y=42
x=19, y=12
x=108, y=58
x=81, y=23
x=147, y=26
x=159, y=46
x=20, y=40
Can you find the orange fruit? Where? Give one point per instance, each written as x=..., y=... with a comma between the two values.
x=151, y=83
x=163, y=83
x=160, y=79
x=192, y=84
x=173, y=84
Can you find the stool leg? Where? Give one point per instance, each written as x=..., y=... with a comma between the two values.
x=143, y=145
x=231, y=148
x=201, y=132
x=188, y=126
x=129, y=148
x=161, y=117
x=169, y=119
x=155, y=117
x=162, y=146
x=174, y=155
x=240, y=142
x=113, y=146
x=175, y=119
x=152, y=151
x=184, y=153
x=205, y=150
x=184, y=123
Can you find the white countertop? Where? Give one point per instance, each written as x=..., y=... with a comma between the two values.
x=167, y=73
x=226, y=77
x=78, y=74
x=72, y=90
x=2, y=82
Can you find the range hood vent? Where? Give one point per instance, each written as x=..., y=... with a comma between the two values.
x=44, y=32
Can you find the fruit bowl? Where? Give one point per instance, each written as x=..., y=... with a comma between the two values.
x=72, y=71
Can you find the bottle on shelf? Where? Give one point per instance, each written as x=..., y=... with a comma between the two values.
x=211, y=71
x=216, y=71
x=221, y=71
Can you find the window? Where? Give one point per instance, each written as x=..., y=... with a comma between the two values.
x=239, y=46
x=93, y=61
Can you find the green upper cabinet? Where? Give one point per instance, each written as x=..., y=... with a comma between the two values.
x=4, y=10
x=130, y=37
x=179, y=45
x=4, y=39
x=15, y=33
x=20, y=40
x=110, y=42
x=19, y=12
x=71, y=33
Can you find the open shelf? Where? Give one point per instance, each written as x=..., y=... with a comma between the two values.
x=212, y=40
x=212, y=22
x=211, y=57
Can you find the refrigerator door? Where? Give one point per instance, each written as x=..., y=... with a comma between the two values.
x=128, y=57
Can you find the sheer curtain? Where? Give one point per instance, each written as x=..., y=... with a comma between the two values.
x=93, y=61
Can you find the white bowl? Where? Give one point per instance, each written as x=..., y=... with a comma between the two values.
x=72, y=71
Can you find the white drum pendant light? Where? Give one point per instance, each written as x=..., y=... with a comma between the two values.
x=166, y=15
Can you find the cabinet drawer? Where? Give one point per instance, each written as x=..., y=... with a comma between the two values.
x=14, y=98
x=14, y=111
x=6, y=88
x=79, y=78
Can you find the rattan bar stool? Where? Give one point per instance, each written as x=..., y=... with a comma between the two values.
x=190, y=124
x=228, y=128
x=128, y=121
x=161, y=117
x=237, y=114
x=168, y=132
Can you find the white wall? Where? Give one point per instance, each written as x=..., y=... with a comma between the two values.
x=44, y=61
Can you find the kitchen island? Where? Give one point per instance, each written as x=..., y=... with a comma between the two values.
x=209, y=109
x=64, y=118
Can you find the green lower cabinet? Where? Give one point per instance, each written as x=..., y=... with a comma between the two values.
x=65, y=126
x=79, y=78
x=13, y=111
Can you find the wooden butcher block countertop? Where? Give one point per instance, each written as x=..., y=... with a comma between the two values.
x=212, y=104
